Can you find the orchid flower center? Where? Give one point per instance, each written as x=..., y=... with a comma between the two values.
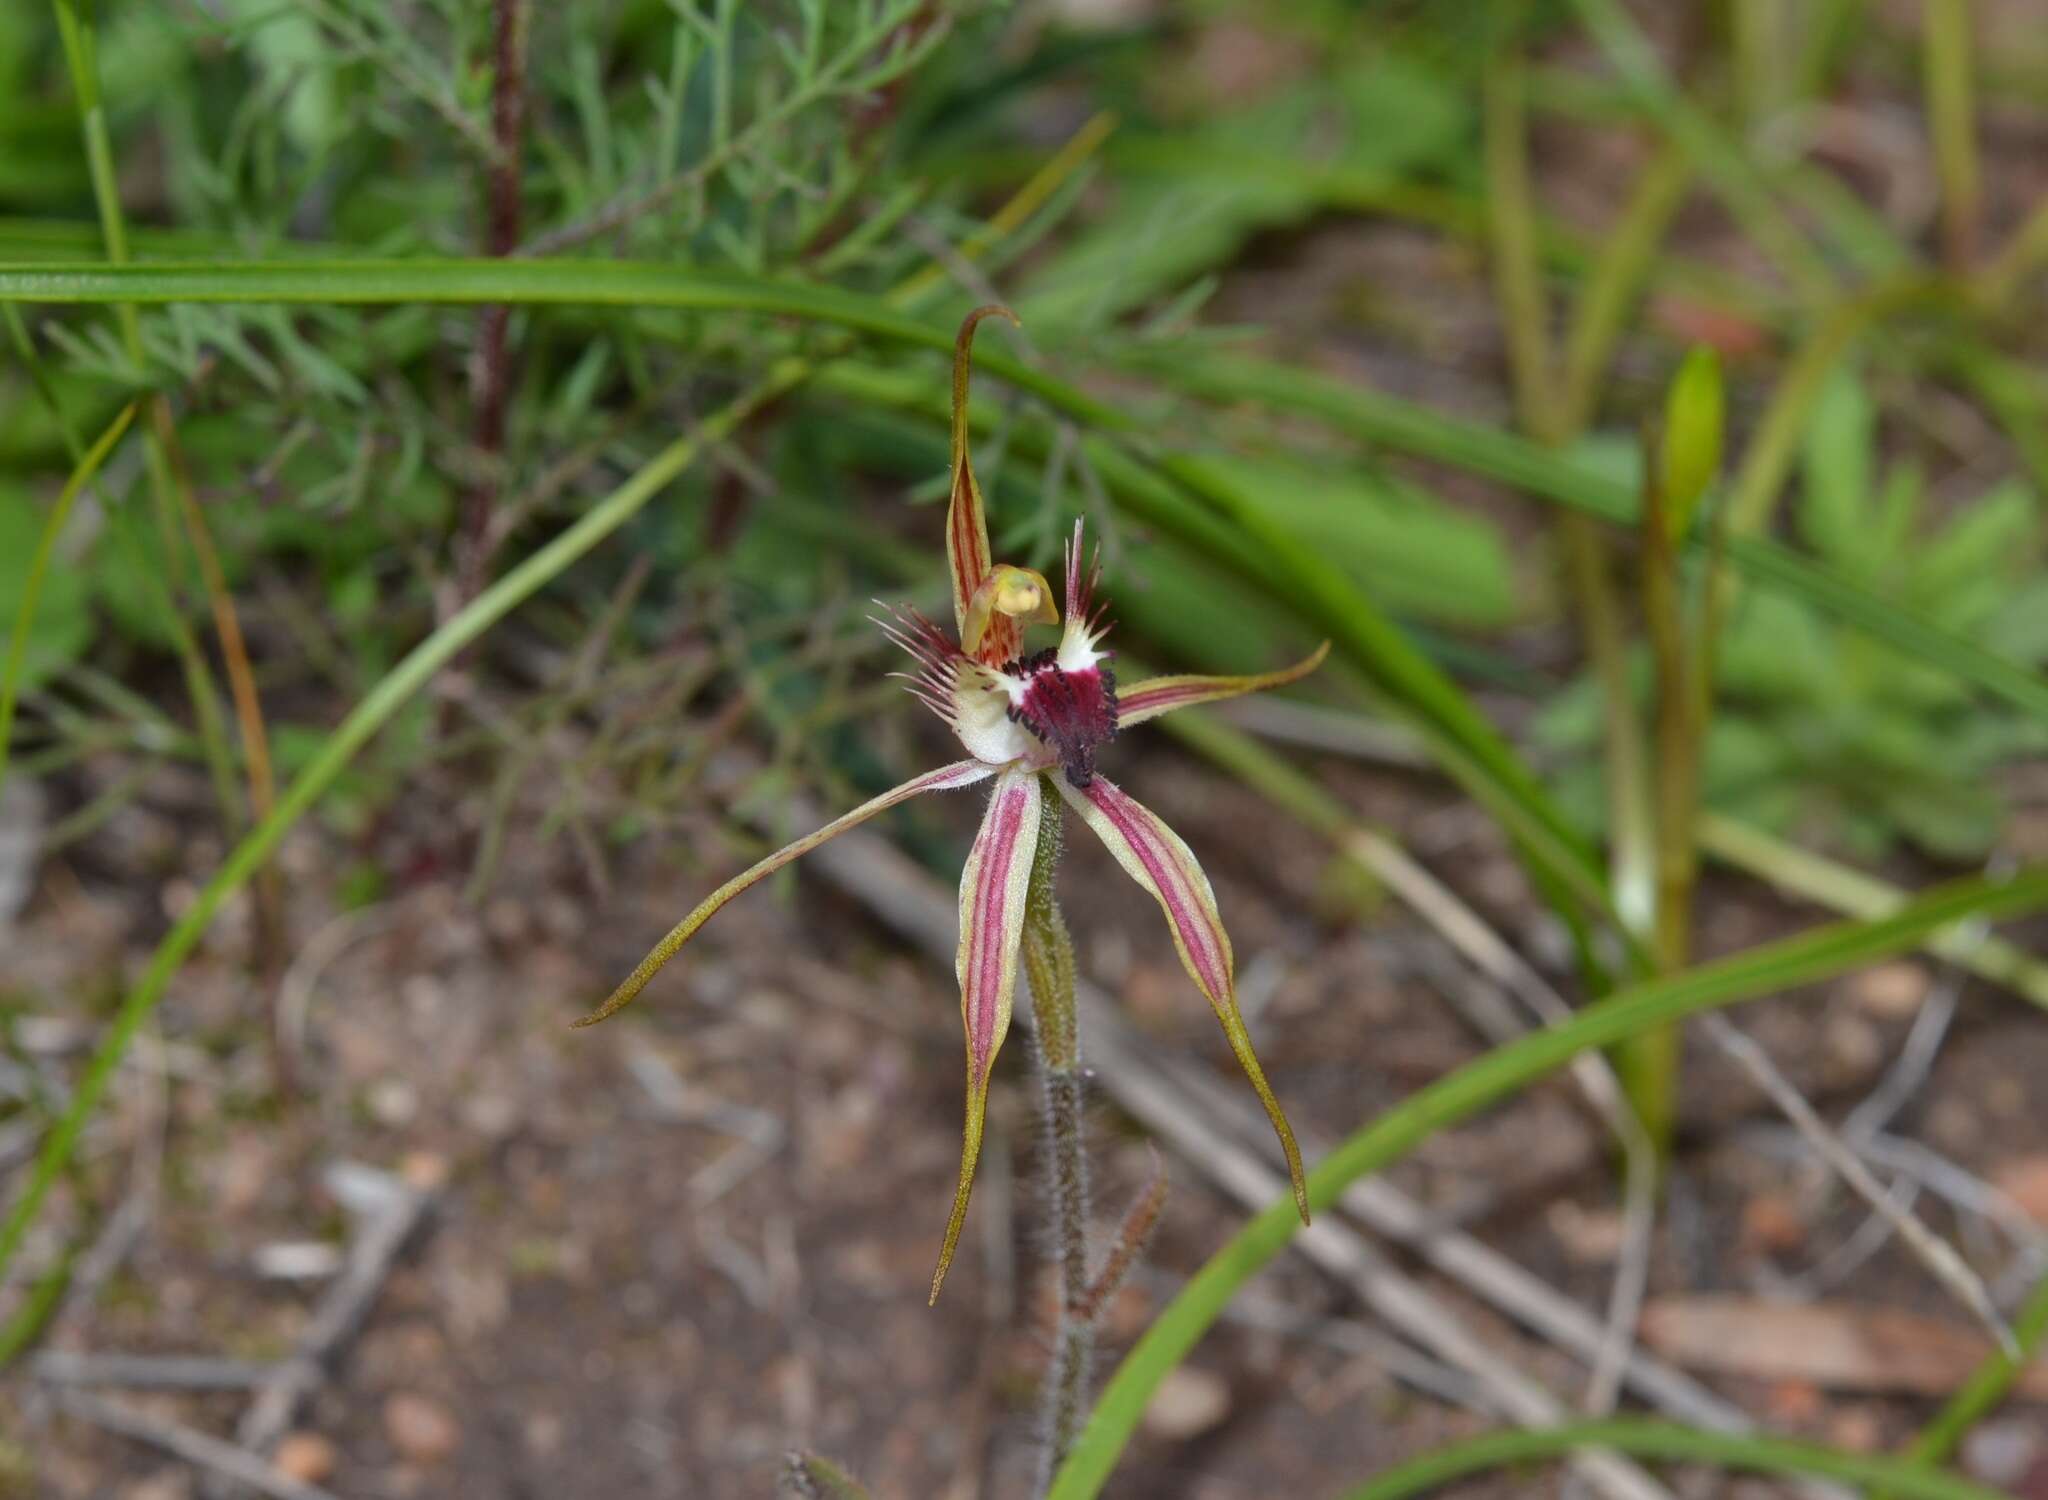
x=1066, y=695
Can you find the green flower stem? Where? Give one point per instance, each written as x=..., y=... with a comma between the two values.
x=1554, y=401
x=1952, y=119
x=1649, y=1063
x=1048, y=953
x=1641, y=1439
x=1048, y=949
x=81, y=57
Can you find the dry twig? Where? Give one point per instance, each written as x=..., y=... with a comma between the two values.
x=195, y=1447
x=1934, y=1253
x=167, y=1372
x=390, y=1211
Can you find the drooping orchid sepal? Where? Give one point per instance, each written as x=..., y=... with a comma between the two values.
x=1156, y=857
x=992, y=904
x=946, y=778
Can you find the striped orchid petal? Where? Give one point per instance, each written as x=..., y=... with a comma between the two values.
x=992, y=890
x=1162, y=695
x=967, y=551
x=946, y=778
x=1154, y=856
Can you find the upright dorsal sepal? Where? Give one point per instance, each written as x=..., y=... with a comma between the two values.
x=967, y=549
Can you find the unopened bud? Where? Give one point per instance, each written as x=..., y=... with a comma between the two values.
x=1690, y=455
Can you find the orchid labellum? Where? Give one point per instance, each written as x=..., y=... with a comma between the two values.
x=1031, y=721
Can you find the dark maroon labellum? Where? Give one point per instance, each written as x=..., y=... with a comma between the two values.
x=1071, y=711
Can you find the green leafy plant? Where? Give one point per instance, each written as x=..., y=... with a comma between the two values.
x=447, y=282
x=1823, y=734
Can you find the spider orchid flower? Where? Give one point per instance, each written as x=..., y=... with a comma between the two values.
x=1032, y=722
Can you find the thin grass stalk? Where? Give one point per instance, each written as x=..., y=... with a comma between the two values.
x=1652, y=1059
x=1553, y=413
x=1517, y=272
x=491, y=375
x=1946, y=80
x=39, y=566
x=1616, y=279
x=261, y=779
x=1548, y=412
x=81, y=56
x=1757, y=35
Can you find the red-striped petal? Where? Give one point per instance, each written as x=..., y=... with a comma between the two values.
x=1162, y=695
x=967, y=550
x=1155, y=856
x=992, y=889
x=946, y=778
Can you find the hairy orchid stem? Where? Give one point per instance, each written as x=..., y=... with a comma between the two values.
x=1048, y=953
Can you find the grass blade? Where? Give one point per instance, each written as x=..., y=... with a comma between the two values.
x=1375, y=417
x=1986, y=1387
x=17, y=645
x=1364, y=413
x=1640, y=1439
x=530, y=283
x=1768, y=969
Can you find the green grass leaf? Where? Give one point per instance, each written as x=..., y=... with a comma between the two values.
x=1768, y=969
x=1640, y=1439
x=49, y=611
x=1387, y=421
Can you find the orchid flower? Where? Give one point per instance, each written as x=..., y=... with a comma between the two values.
x=1032, y=722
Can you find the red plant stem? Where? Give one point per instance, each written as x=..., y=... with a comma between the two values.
x=491, y=372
